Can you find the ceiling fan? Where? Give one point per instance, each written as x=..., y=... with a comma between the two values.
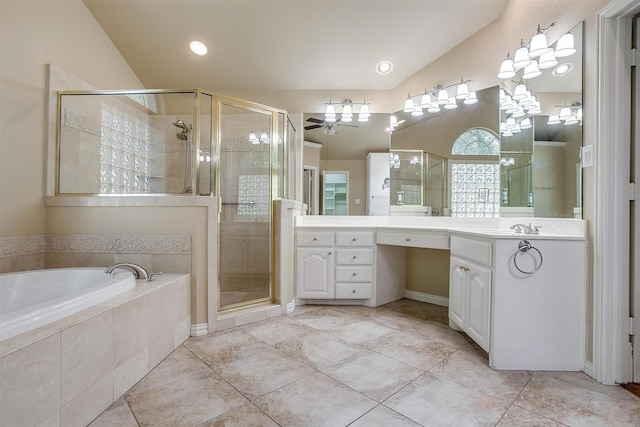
x=328, y=126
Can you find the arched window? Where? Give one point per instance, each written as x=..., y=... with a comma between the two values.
x=475, y=185
x=478, y=142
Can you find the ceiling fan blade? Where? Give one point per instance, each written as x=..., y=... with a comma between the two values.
x=351, y=126
x=312, y=127
x=314, y=120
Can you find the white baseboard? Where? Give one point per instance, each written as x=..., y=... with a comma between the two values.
x=199, y=329
x=421, y=296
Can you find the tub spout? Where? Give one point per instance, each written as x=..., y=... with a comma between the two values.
x=138, y=271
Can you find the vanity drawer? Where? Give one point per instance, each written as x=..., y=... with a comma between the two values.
x=472, y=249
x=354, y=290
x=354, y=256
x=354, y=238
x=314, y=238
x=354, y=274
x=413, y=238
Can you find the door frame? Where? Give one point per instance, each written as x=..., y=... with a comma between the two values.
x=611, y=349
x=316, y=188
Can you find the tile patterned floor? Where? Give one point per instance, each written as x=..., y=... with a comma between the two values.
x=395, y=365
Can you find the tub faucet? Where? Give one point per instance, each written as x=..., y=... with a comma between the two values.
x=519, y=228
x=138, y=271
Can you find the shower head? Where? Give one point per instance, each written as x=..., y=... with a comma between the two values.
x=180, y=124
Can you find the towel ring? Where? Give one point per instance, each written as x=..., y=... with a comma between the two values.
x=525, y=246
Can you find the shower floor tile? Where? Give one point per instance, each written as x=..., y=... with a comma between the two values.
x=395, y=365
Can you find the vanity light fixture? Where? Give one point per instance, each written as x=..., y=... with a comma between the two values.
x=253, y=138
x=547, y=60
x=521, y=58
x=565, y=46
x=553, y=120
x=531, y=71
x=471, y=99
x=264, y=138
x=463, y=90
x=198, y=48
x=443, y=96
x=538, y=44
x=408, y=104
x=451, y=105
x=417, y=111
x=205, y=156
x=425, y=101
x=506, y=68
x=525, y=123
x=331, y=115
x=434, y=108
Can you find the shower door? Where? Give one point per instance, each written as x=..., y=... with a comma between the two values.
x=245, y=179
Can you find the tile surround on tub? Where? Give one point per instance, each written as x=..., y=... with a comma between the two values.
x=68, y=372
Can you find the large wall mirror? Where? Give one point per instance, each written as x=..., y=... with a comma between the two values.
x=346, y=161
x=475, y=166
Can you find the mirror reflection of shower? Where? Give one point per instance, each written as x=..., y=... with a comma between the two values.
x=185, y=135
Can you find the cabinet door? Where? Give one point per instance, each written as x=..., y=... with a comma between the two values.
x=315, y=273
x=457, y=291
x=478, y=304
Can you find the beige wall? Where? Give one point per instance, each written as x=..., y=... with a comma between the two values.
x=33, y=34
x=428, y=271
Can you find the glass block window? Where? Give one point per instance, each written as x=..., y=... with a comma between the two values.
x=254, y=196
x=126, y=154
x=412, y=194
x=475, y=190
x=477, y=141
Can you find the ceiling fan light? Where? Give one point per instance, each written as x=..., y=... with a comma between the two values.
x=408, y=105
x=443, y=97
x=506, y=70
x=531, y=71
x=463, y=91
x=521, y=59
x=547, y=60
x=538, y=46
x=565, y=46
x=471, y=99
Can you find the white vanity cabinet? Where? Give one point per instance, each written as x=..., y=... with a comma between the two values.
x=470, y=288
x=315, y=263
x=335, y=264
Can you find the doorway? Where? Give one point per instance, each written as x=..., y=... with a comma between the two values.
x=634, y=214
x=310, y=189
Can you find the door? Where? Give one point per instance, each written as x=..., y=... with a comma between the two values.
x=245, y=180
x=315, y=274
x=457, y=292
x=309, y=191
x=478, y=303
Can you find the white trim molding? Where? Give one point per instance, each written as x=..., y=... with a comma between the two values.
x=291, y=306
x=199, y=329
x=611, y=358
x=421, y=296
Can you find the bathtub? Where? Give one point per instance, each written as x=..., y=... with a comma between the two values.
x=31, y=299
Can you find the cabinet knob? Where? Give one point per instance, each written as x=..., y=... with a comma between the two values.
x=315, y=238
x=354, y=274
x=354, y=257
x=408, y=239
x=329, y=252
x=353, y=291
x=354, y=239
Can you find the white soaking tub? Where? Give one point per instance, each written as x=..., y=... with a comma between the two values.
x=31, y=299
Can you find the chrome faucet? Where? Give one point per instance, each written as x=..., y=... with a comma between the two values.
x=519, y=228
x=138, y=271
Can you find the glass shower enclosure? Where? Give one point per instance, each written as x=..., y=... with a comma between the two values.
x=188, y=143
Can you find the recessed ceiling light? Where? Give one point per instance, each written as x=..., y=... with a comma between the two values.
x=562, y=69
x=198, y=48
x=384, y=67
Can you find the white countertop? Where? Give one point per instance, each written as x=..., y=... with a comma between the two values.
x=495, y=228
